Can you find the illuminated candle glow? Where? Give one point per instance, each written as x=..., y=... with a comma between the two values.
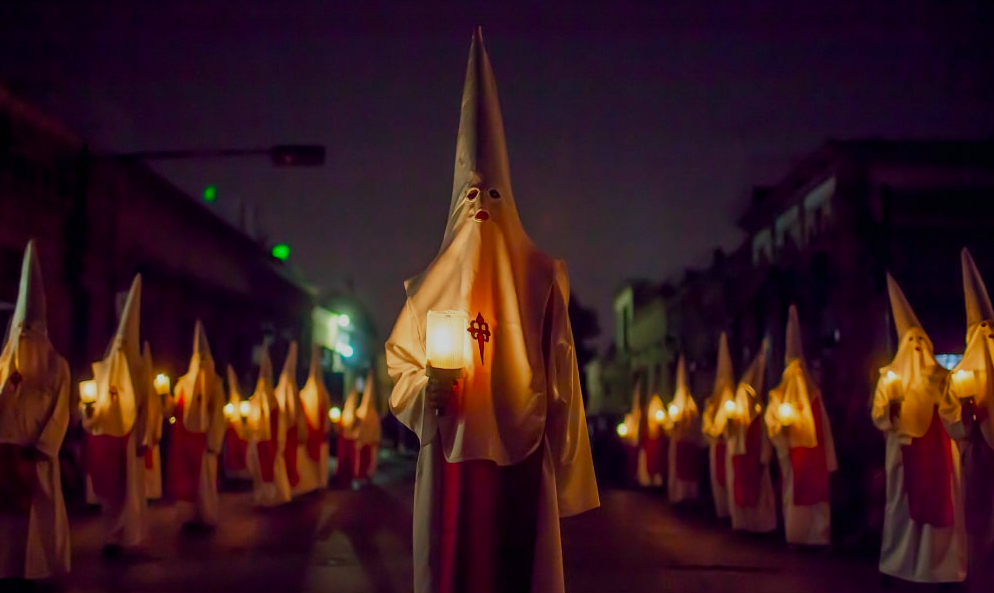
x=674, y=410
x=161, y=383
x=88, y=391
x=244, y=408
x=335, y=414
x=622, y=430
x=786, y=413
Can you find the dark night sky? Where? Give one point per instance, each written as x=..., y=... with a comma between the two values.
x=635, y=133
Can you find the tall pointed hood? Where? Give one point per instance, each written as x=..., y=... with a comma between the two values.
x=201, y=347
x=369, y=426
x=201, y=385
x=314, y=396
x=901, y=311
x=234, y=391
x=489, y=268
x=30, y=312
x=31, y=372
x=128, y=325
x=286, y=389
x=265, y=365
x=724, y=376
x=682, y=398
x=794, y=344
x=263, y=398
x=978, y=303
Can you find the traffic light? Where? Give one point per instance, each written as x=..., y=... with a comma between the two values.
x=210, y=193
x=281, y=251
x=297, y=155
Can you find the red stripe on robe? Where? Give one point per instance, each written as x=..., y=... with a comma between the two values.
x=655, y=454
x=17, y=476
x=290, y=456
x=346, y=454
x=267, y=450
x=185, y=457
x=315, y=438
x=748, y=469
x=809, y=466
x=235, y=450
x=488, y=524
x=720, y=452
x=928, y=474
x=149, y=458
x=688, y=462
x=107, y=465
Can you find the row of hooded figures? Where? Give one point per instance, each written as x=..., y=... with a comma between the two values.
x=278, y=437
x=938, y=425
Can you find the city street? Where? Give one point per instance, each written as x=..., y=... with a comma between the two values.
x=346, y=541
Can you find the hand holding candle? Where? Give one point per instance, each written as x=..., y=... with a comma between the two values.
x=161, y=383
x=445, y=347
x=787, y=414
x=88, y=396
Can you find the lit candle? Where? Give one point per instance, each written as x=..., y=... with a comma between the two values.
x=161, y=383
x=786, y=413
x=660, y=415
x=890, y=383
x=244, y=408
x=88, y=391
x=335, y=414
x=674, y=411
x=729, y=406
x=622, y=430
x=445, y=346
x=229, y=410
x=961, y=384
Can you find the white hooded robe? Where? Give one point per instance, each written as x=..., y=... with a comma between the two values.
x=684, y=427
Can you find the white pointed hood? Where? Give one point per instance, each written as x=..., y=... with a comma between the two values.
x=974, y=375
x=286, y=388
x=31, y=372
x=491, y=270
x=978, y=303
x=714, y=417
x=119, y=376
x=369, y=431
x=914, y=370
x=200, y=385
x=749, y=392
x=682, y=398
x=314, y=396
x=234, y=391
x=263, y=399
x=152, y=399
x=795, y=389
x=348, y=422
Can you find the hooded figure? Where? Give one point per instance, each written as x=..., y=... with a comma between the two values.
x=315, y=401
x=653, y=444
x=288, y=396
x=713, y=423
x=237, y=433
x=346, y=451
x=684, y=429
x=968, y=414
x=152, y=458
x=367, y=431
x=514, y=423
x=799, y=428
x=923, y=538
x=116, y=424
x=751, y=501
x=267, y=443
x=197, y=436
x=34, y=416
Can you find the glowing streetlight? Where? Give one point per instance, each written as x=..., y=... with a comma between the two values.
x=335, y=414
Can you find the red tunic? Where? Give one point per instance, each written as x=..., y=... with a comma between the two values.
x=346, y=453
x=928, y=474
x=688, y=462
x=655, y=453
x=235, y=450
x=185, y=456
x=290, y=456
x=267, y=449
x=315, y=438
x=720, y=452
x=748, y=469
x=488, y=525
x=810, y=467
x=107, y=465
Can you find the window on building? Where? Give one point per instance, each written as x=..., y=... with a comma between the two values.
x=818, y=208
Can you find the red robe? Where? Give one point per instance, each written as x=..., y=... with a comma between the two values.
x=18, y=476
x=107, y=465
x=267, y=449
x=185, y=456
x=810, y=466
x=235, y=451
x=928, y=475
x=748, y=476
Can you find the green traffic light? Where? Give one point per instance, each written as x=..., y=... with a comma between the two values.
x=281, y=251
x=210, y=193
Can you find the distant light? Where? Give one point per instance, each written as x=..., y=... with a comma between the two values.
x=343, y=320
x=622, y=430
x=345, y=350
x=281, y=251
x=335, y=414
x=210, y=193
x=948, y=361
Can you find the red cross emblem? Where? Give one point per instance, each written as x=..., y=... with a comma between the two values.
x=480, y=330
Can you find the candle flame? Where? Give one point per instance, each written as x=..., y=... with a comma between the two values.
x=729, y=406
x=88, y=391
x=622, y=430
x=161, y=383
x=335, y=414
x=660, y=415
x=244, y=407
x=674, y=410
x=786, y=413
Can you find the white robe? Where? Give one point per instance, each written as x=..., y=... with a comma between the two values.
x=761, y=518
x=911, y=551
x=207, y=508
x=278, y=491
x=567, y=486
x=36, y=546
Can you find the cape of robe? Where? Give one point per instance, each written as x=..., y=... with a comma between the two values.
x=751, y=501
x=518, y=506
x=34, y=527
x=924, y=536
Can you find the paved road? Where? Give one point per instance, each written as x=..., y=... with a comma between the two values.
x=347, y=541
